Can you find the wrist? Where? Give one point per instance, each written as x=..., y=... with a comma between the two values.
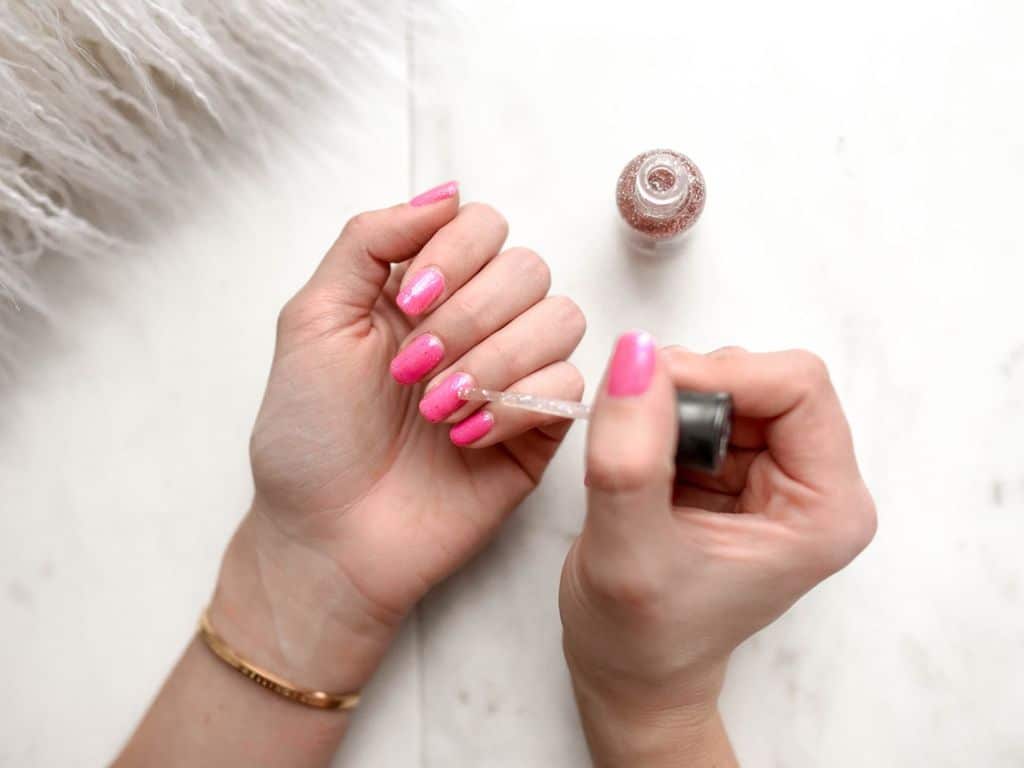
x=290, y=608
x=641, y=724
x=665, y=741
x=628, y=735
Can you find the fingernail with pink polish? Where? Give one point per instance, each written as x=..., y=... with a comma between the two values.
x=435, y=195
x=632, y=365
x=417, y=359
x=420, y=291
x=443, y=400
x=469, y=430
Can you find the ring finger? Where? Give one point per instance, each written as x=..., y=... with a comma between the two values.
x=495, y=424
x=509, y=285
x=546, y=333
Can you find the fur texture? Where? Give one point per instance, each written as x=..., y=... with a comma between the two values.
x=106, y=105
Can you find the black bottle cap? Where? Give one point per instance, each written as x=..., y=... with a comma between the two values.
x=705, y=423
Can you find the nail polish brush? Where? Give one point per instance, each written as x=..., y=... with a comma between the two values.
x=705, y=420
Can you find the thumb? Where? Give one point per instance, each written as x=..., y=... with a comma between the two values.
x=356, y=268
x=630, y=444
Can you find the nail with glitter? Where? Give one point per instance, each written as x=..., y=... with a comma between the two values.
x=444, y=399
x=420, y=291
x=660, y=194
x=435, y=194
x=469, y=430
x=417, y=359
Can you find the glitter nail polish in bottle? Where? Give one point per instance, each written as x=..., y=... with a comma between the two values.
x=660, y=195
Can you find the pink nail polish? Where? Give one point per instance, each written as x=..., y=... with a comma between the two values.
x=420, y=291
x=443, y=400
x=632, y=365
x=660, y=194
x=435, y=195
x=471, y=429
x=416, y=360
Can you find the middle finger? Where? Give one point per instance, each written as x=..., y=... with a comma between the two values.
x=508, y=286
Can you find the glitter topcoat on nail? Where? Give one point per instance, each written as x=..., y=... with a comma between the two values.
x=420, y=291
x=417, y=359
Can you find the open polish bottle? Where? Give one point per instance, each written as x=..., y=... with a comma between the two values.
x=660, y=195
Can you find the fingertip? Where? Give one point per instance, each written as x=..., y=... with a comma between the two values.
x=632, y=430
x=442, y=401
x=420, y=291
x=444, y=191
x=472, y=428
x=417, y=359
x=632, y=364
x=356, y=267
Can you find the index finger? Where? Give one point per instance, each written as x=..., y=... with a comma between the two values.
x=355, y=269
x=806, y=431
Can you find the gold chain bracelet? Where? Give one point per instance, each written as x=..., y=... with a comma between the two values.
x=268, y=680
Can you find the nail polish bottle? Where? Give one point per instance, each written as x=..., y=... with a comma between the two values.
x=660, y=195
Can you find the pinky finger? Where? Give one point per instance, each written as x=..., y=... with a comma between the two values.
x=495, y=424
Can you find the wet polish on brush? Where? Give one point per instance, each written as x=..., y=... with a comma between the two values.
x=420, y=291
x=446, y=398
x=435, y=194
x=704, y=418
x=417, y=359
x=660, y=194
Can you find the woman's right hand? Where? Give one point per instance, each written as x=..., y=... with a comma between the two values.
x=672, y=572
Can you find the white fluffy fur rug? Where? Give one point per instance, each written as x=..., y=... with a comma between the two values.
x=104, y=104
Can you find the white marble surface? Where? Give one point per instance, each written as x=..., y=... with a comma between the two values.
x=864, y=166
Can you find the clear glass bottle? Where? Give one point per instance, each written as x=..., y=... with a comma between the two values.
x=660, y=195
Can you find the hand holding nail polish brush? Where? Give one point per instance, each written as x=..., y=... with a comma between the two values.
x=705, y=420
x=670, y=572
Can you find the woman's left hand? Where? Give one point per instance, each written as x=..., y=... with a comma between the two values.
x=362, y=504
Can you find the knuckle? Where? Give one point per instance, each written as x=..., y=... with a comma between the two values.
x=466, y=305
x=635, y=594
x=866, y=526
x=833, y=558
x=488, y=215
x=575, y=384
x=730, y=350
x=809, y=367
x=500, y=356
x=567, y=379
x=568, y=315
x=677, y=358
x=632, y=590
x=289, y=315
x=358, y=227
x=675, y=351
x=533, y=265
x=611, y=468
x=303, y=313
x=473, y=315
x=851, y=537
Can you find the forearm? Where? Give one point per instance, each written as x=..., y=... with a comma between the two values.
x=282, y=611
x=209, y=714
